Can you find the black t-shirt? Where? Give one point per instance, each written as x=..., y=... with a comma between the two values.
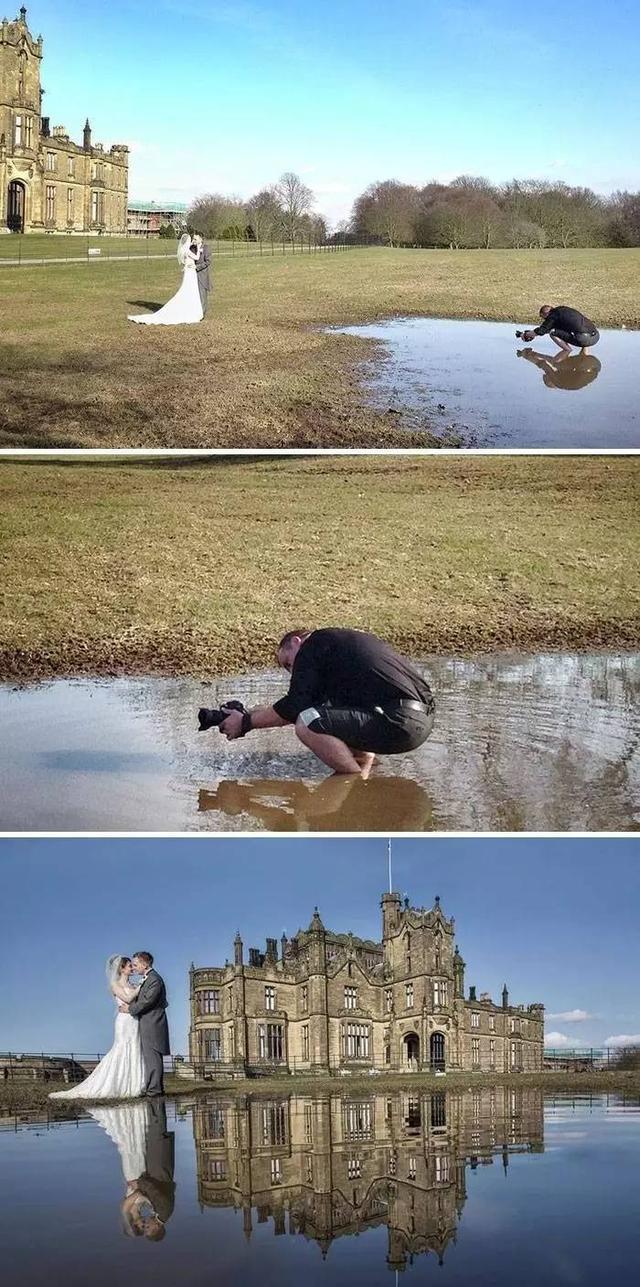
x=563, y=318
x=349, y=668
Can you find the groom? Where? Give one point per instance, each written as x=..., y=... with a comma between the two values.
x=149, y=1008
x=202, y=271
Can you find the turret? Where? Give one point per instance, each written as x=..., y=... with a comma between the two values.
x=390, y=904
x=458, y=973
x=86, y=136
x=237, y=949
x=505, y=998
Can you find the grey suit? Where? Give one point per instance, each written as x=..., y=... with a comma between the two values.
x=204, y=277
x=157, y=1183
x=149, y=1008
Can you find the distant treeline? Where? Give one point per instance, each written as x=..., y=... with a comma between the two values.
x=282, y=212
x=470, y=213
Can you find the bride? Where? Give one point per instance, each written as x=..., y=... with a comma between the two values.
x=185, y=306
x=120, y=1074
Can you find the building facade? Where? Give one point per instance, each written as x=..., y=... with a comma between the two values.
x=48, y=183
x=330, y=1166
x=325, y=1002
x=145, y=218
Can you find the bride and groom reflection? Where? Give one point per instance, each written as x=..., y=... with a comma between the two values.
x=332, y=804
x=147, y=1155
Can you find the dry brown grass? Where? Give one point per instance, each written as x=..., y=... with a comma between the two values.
x=197, y=568
x=259, y=371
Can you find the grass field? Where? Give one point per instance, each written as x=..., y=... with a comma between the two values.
x=259, y=371
x=29, y=1097
x=197, y=568
x=36, y=247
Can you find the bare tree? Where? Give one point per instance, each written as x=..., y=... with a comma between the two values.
x=265, y=215
x=388, y=211
x=296, y=199
x=218, y=217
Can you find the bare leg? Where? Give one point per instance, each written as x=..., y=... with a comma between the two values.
x=366, y=760
x=566, y=348
x=334, y=753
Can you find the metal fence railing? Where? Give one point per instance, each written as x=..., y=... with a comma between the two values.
x=45, y=1066
x=73, y=1066
x=597, y=1058
x=37, y=249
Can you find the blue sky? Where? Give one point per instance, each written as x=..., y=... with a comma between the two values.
x=225, y=96
x=556, y=919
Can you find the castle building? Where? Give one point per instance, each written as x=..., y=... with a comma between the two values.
x=47, y=182
x=325, y=1002
x=327, y=1167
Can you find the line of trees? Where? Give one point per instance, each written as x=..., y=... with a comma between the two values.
x=471, y=213
x=282, y=212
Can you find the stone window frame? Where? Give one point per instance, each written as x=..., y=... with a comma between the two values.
x=213, y=1041
x=475, y=1052
x=409, y=996
x=305, y=1042
x=270, y=998
x=50, y=197
x=51, y=163
x=475, y=1019
x=208, y=1001
x=350, y=998
x=18, y=130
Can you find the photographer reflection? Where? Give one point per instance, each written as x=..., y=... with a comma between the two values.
x=147, y=1154
x=333, y=804
x=564, y=370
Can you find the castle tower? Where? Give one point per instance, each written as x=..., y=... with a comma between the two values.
x=318, y=1000
x=20, y=100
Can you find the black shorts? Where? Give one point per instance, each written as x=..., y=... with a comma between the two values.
x=579, y=339
x=390, y=731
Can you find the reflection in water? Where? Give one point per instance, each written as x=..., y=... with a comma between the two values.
x=147, y=1154
x=459, y=377
x=334, y=804
x=564, y=370
x=521, y=742
x=488, y=1182
x=328, y=1166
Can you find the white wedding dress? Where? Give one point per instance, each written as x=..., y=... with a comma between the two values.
x=127, y=1125
x=184, y=307
x=121, y=1074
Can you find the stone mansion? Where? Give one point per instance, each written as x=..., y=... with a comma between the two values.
x=47, y=182
x=325, y=1002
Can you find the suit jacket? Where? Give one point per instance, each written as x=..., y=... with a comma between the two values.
x=202, y=267
x=149, y=1007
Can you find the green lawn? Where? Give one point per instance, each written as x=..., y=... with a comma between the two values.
x=260, y=371
x=198, y=568
x=42, y=246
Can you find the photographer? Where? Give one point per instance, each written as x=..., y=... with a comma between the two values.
x=350, y=697
x=566, y=327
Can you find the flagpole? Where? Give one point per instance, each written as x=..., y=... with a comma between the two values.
x=389, y=863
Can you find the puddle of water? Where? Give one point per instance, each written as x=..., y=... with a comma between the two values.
x=531, y=743
x=466, y=377
x=495, y=1185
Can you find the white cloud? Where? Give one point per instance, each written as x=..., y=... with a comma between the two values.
x=571, y=1016
x=623, y=1039
x=556, y=1039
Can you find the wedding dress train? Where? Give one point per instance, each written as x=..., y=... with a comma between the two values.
x=120, y=1074
x=184, y=307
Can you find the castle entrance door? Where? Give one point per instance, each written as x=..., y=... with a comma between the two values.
x=412, y=1051
x=16, y=201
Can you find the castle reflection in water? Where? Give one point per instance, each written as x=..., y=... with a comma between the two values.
x=325, y=1166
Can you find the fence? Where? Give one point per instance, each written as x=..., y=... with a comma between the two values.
x=595, y=1059
x=38, y=249
x=44, y=1066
